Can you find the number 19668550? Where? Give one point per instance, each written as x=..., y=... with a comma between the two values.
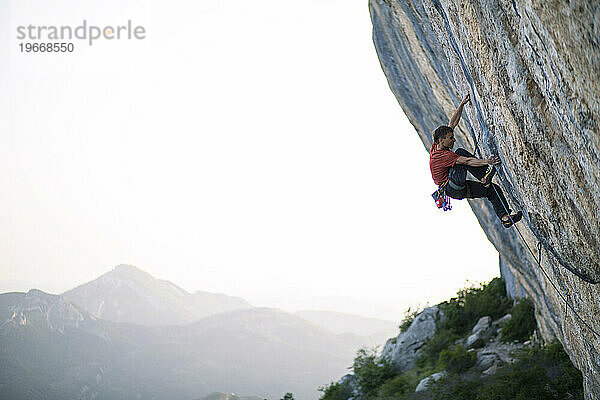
x=47, y=47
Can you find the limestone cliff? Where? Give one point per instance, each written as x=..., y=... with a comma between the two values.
x=532, y=68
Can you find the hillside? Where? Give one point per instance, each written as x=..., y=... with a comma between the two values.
x=479, y=345
x=368, y=332
x=338, y=322
x=50, y=348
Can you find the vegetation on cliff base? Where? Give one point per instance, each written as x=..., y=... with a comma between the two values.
x=457, y=359
x=370, y=372
x=336, y=391
x=462, y=312
x=539, y=373
x=522, y=324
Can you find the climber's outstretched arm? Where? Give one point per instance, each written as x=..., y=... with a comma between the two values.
x=456, y=117
x=478, y=162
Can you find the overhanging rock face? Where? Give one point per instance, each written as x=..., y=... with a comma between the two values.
x=533, y=71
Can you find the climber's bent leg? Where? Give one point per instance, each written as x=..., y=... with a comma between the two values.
x=493, y=193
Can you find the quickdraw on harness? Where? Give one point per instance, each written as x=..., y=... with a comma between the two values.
x=441, y=199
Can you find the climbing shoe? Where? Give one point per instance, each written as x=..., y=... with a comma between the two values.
x=487, y=178
x=516, y=217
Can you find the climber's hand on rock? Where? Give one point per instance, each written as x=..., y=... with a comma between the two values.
x=494, y=160
x=467, y=99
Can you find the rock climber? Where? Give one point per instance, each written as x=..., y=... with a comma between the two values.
x=449, y=171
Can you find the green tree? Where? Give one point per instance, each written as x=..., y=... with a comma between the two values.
x=336, y=391
x=395, y=388
x=409, y=317
x=462, y=312
x=457, y=359
x=522, y=324
x=371, y=372
x=288, y=396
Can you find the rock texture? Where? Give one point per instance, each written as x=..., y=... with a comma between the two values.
x=404, y=349
x=532, y=68
x=482, y=331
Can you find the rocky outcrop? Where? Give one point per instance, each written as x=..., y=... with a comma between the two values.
x=481, y=332
x=531, y=68
x=428, y=381
x=404, y=349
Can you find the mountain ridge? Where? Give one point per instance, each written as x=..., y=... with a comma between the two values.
x=53, y=347
x=128, y=294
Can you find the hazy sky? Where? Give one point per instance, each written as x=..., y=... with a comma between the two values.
x=250, y=148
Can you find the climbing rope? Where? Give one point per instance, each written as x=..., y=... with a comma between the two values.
x=539, y=258
x=470, y=81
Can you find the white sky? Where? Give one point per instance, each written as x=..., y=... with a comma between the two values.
x=250, y=148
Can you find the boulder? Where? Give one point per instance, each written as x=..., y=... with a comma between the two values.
x=482, y=323
x=404, y=349
x=502, y=321
x=474, y=341
x=491, y=370
x=425, y=382
x=482, y=331
x=486, y=360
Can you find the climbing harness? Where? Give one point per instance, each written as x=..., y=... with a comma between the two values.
x=442, y=200
x=480, y=118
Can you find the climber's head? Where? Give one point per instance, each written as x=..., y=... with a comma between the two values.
x=443, y=136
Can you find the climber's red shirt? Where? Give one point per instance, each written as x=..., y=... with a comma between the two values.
x=440, y=162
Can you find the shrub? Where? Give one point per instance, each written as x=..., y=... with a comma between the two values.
x=460, y=315
x=462, y=312
x=522, y=324
x=371, y=372
x=442, y=339
x=395, y=388
x=336, y=391
x=457, y=359
x=458, y=388
x=408, y=319
x=540, y=373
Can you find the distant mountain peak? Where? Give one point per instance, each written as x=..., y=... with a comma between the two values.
x=126, y=268
x=130, y=272
x=42, y=294
x=128, y=294
x=48, y=346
